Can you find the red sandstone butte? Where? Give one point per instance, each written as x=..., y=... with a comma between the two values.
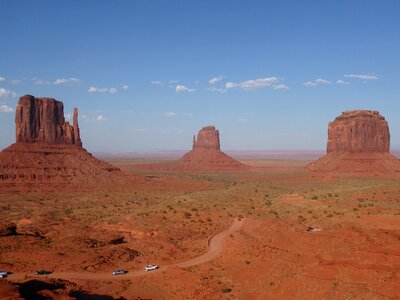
x=207, y=155
x=359, y=131
x=358, y=143
x=48, y=152
x=41, y=120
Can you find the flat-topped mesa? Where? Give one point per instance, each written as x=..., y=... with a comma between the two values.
x=359, y=131
x=358, y=144
x=207, y=138
x=41, y=120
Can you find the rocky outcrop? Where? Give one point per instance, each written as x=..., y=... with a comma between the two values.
x=48, y=154
x=206, y=154
x=359, y=131
x=207, y=138
x=358, y=143
x=7, y=228
x=41, y=120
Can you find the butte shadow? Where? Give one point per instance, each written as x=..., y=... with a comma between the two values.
x=358, y=144
x=48, y=153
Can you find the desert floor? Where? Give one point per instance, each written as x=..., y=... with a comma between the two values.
x=302, y=237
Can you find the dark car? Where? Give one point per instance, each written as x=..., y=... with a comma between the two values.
x=119, y=272
x=42, y=272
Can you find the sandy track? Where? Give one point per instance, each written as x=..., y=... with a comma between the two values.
x=214, y=249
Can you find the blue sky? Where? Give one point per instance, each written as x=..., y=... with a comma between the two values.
x=147, y=75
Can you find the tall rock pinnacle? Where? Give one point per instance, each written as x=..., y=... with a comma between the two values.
x=77, y=136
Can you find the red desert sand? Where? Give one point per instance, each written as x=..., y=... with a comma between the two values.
x=275, y=233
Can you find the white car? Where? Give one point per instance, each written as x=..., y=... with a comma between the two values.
x=119, y=272
x=3, y=274
x=151, y=268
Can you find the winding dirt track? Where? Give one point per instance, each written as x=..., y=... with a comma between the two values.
x=214, y=249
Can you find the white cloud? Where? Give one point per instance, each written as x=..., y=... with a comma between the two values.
x=94, y=89
x=241, y=120
x=231, y=85
x=5, y=109
x=254, y=83
x=40, y=81
x=67, y=81
x=68, y=117
x=101, y=118
x=215, y=89
x=182, y=89
x=125, y=87
x=173, y=81
x=362, y=76
x=322, y=81
x=215, y=79
x=342, y=82
x=281, y=87
x=316, y=82
x=170, y=114
x=7, y=93
x=258, y=83
x=156, y=82
x=310, y=84
x=16, y=81
x=2, y=78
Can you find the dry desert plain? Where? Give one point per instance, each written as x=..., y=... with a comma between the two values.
x=166, y=217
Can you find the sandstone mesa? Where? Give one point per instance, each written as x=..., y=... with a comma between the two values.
x=358, y=143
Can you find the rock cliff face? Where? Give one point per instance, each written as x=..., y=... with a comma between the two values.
x=358, y=143
x=359, y=131
x=206, y=154
x=207, y=138
x=48, y=154
x=41, y=120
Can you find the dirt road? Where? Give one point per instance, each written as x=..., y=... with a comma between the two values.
x=214, y=249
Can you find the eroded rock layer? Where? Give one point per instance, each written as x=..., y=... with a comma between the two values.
x=359, y=131
x=207, y=155
x=358, y=143
x=41, y=120
x=48, y=154
x=207, y=138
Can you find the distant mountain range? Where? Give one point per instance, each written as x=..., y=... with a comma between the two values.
x=239, y=154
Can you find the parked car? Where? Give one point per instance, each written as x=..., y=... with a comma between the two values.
x=3, y=274
x=42, y=272
x=151, y=267
x=119, y=272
